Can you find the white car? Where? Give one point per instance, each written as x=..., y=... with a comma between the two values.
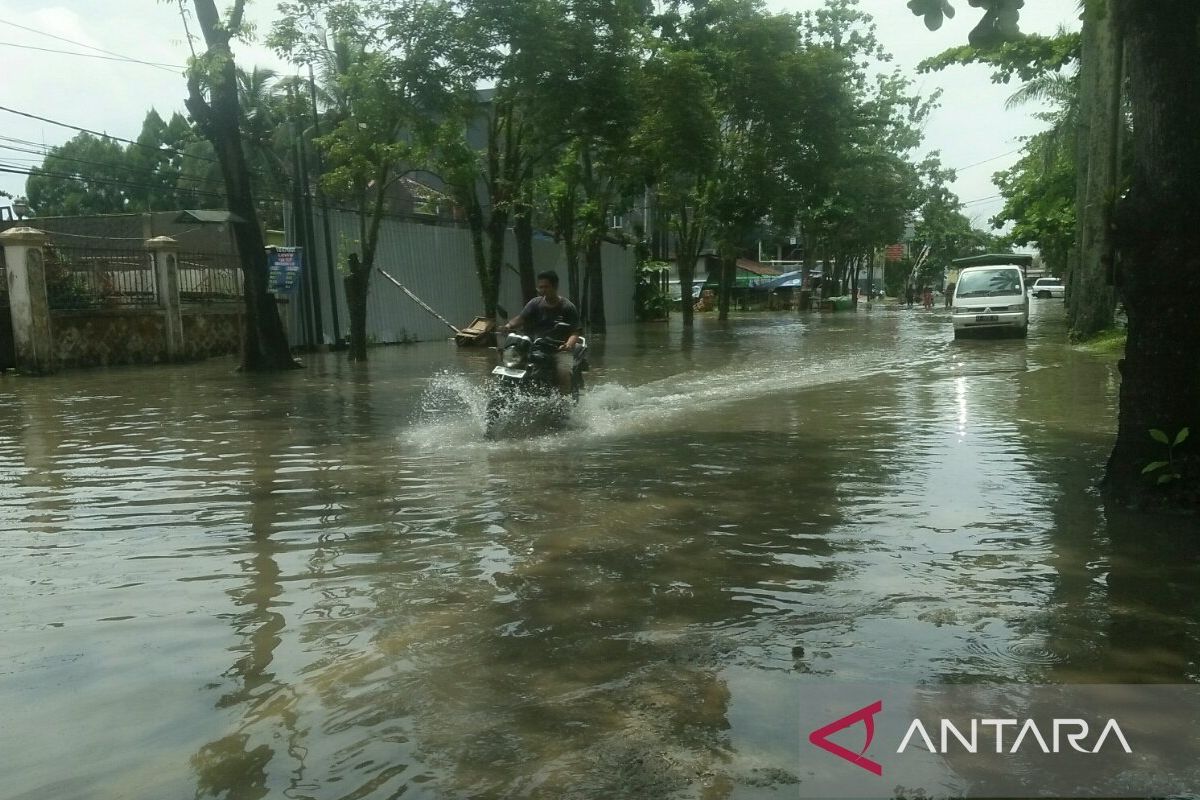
x=1049, y=287
x=990, y=298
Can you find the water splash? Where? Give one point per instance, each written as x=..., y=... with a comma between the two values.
x=451, y=411
x=453, y=408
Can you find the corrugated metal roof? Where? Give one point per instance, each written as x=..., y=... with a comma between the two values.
x=207, y=216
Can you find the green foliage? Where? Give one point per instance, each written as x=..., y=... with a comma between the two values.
x=169, y=166
x=1026, y=58
x=65, y=288
x=998, y=25
x=1167, y=471
x=650, y=301
x=86, y=175
x=1039, y=201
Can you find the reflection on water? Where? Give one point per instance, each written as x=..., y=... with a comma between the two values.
x=329, y=585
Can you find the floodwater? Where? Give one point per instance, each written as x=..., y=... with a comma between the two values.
x=328, y=585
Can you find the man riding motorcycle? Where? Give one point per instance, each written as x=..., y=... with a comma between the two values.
x=549, y=324
x=541, y=314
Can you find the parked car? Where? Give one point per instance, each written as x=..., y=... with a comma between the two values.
x=1049, y=287
x=990, y=298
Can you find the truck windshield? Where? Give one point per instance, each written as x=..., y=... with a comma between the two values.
x=987, y=282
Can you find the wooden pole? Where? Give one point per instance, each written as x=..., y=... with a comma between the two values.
x=418, y=300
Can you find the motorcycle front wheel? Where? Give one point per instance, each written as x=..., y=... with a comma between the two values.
x=496, y=407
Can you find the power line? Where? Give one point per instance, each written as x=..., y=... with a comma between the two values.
x=152, y=148
x=92, y=163
x=987, y=160
x=16, y=169
x=107, y=135
x=87, y=55
x=982, y=199
x=172, y=67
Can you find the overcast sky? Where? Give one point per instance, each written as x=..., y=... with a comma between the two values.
x=113, y=95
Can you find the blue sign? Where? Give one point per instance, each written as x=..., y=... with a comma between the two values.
x=283, y=269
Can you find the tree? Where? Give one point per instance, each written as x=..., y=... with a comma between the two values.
x=1100, y=170
x=596, y=104
x=1039, y=199
x=379, y=61
x=213, y=102
x=488, y=144
x=941, y=226
x=1158, y=246
x=679, y=141
x=154, y=163
x=85, y=175
x=870, y=188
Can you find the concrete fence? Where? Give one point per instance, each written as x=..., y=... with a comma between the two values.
x=97, y=308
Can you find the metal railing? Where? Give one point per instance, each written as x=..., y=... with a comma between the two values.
x=209, y=277
x=84, y=277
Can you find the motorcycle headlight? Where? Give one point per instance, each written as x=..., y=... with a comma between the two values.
x=512, y=356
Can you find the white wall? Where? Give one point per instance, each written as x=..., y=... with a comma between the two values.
x=436, y=264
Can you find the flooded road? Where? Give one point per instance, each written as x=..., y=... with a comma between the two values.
x=328, y=585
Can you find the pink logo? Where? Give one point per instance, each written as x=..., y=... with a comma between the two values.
x=866, y=715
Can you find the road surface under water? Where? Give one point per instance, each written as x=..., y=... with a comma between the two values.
x=327, y=584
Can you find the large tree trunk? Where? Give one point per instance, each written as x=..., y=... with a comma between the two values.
x=1158, y=240
x=1101, y=122
x=357, y=283
x=265, y=345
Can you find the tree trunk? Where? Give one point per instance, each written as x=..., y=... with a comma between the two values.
x=1101, y=123
x=689, y=235
x=728, y=272
x=357, y=283
x=523, y=228
x=264, y=345
x=1158, y=241
x=571, y=246
x=855, y=261
x=687, y=274
x=594, y=276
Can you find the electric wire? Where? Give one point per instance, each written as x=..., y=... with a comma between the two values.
x=84, y=55
x=121, y=56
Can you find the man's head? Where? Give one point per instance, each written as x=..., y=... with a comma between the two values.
x=547, y=284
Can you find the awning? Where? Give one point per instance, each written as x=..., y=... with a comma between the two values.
x=788, y=280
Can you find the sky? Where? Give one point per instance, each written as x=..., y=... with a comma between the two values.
x=113, y=96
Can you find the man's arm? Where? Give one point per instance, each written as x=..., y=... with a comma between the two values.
x=520, y=318
x=571, y=317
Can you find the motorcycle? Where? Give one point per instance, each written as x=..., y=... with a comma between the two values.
x=526, y=390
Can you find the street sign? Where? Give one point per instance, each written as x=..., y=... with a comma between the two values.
x=894, y=252
x=283, y=269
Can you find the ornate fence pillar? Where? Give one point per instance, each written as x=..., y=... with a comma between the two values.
x=32, y=335
x=165, y=252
